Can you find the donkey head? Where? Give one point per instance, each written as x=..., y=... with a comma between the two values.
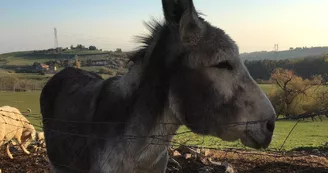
x=210, y=89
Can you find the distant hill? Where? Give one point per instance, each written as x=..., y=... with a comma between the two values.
x=29, y=57
x=285, y=54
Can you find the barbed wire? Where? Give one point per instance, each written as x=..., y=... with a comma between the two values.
x=158, y=139
x=128, y=136
x=122, y=122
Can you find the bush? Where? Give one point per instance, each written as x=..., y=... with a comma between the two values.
x=317, y=101
x=12, y=83
x=8, y=82
x=296, y=107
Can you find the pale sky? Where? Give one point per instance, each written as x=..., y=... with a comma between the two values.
x=255, y=25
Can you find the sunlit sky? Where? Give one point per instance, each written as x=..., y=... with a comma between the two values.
x=255, y=25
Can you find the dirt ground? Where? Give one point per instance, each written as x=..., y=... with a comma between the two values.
x=240, y=161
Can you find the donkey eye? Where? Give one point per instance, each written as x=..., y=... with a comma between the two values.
x=223, y=65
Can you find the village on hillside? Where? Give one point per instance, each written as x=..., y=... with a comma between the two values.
x=53, y=60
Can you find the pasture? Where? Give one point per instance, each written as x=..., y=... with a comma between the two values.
x=305, y=134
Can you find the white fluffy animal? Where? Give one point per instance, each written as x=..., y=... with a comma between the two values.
x=13, y=125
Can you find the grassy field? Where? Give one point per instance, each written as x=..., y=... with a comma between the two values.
x=23, y=101
x=267, y=87
x=306, y=134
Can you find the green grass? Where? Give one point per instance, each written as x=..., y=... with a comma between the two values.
x=18, y=61
x=23, y=101
x=305, y=134
x=33, y=76
x=20, y=58
x=92, y=68
x=267, y=87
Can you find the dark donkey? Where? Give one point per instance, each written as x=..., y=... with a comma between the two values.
x=188, y=73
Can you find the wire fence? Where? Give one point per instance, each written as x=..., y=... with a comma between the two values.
x=243, y=159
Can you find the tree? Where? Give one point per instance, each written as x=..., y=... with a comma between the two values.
x=92, y=47
x=118, y=50
x=305, y=68
x=80, y=47
x=290, y=89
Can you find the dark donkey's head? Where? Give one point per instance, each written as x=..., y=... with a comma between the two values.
x=209, y=88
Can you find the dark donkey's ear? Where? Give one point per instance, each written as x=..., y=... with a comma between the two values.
x=183, y=13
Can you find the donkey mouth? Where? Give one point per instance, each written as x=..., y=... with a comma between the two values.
x=252, y=141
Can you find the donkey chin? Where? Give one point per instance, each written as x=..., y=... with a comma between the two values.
x=255, y=135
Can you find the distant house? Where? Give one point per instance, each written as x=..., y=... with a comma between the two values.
x=44, y=66
x=39, y=67
x=99, y=62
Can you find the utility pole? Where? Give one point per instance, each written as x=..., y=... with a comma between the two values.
x=56, y=38
x=276, y=49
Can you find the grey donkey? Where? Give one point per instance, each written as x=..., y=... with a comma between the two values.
x=188, y=72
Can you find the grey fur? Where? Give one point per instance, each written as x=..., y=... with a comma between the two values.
x=188, y=73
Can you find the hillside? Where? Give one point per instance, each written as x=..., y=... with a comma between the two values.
x=285, y=54
x=29, y=70
x=29, y=57
x=304, y=61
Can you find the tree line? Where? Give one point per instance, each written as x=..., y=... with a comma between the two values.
x=285, y=54
x=261, y=70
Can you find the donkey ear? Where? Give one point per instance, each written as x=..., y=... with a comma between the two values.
x=174, y=9
x=183, y=13
x=191, y=28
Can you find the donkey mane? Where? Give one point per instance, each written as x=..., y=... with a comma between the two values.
x=150, y=84
x=154, y=27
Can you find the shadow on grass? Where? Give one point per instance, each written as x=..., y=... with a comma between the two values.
x=309, y=149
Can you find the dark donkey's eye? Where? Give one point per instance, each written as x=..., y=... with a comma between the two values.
x=223, y=65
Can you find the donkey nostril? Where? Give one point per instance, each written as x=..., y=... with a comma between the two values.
x=270, y=126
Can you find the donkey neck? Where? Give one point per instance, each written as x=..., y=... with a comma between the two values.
x=149, y=99
x=147, y=132
x=151, y=111
x=147, y=85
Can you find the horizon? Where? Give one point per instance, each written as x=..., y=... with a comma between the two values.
x=255, y=25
